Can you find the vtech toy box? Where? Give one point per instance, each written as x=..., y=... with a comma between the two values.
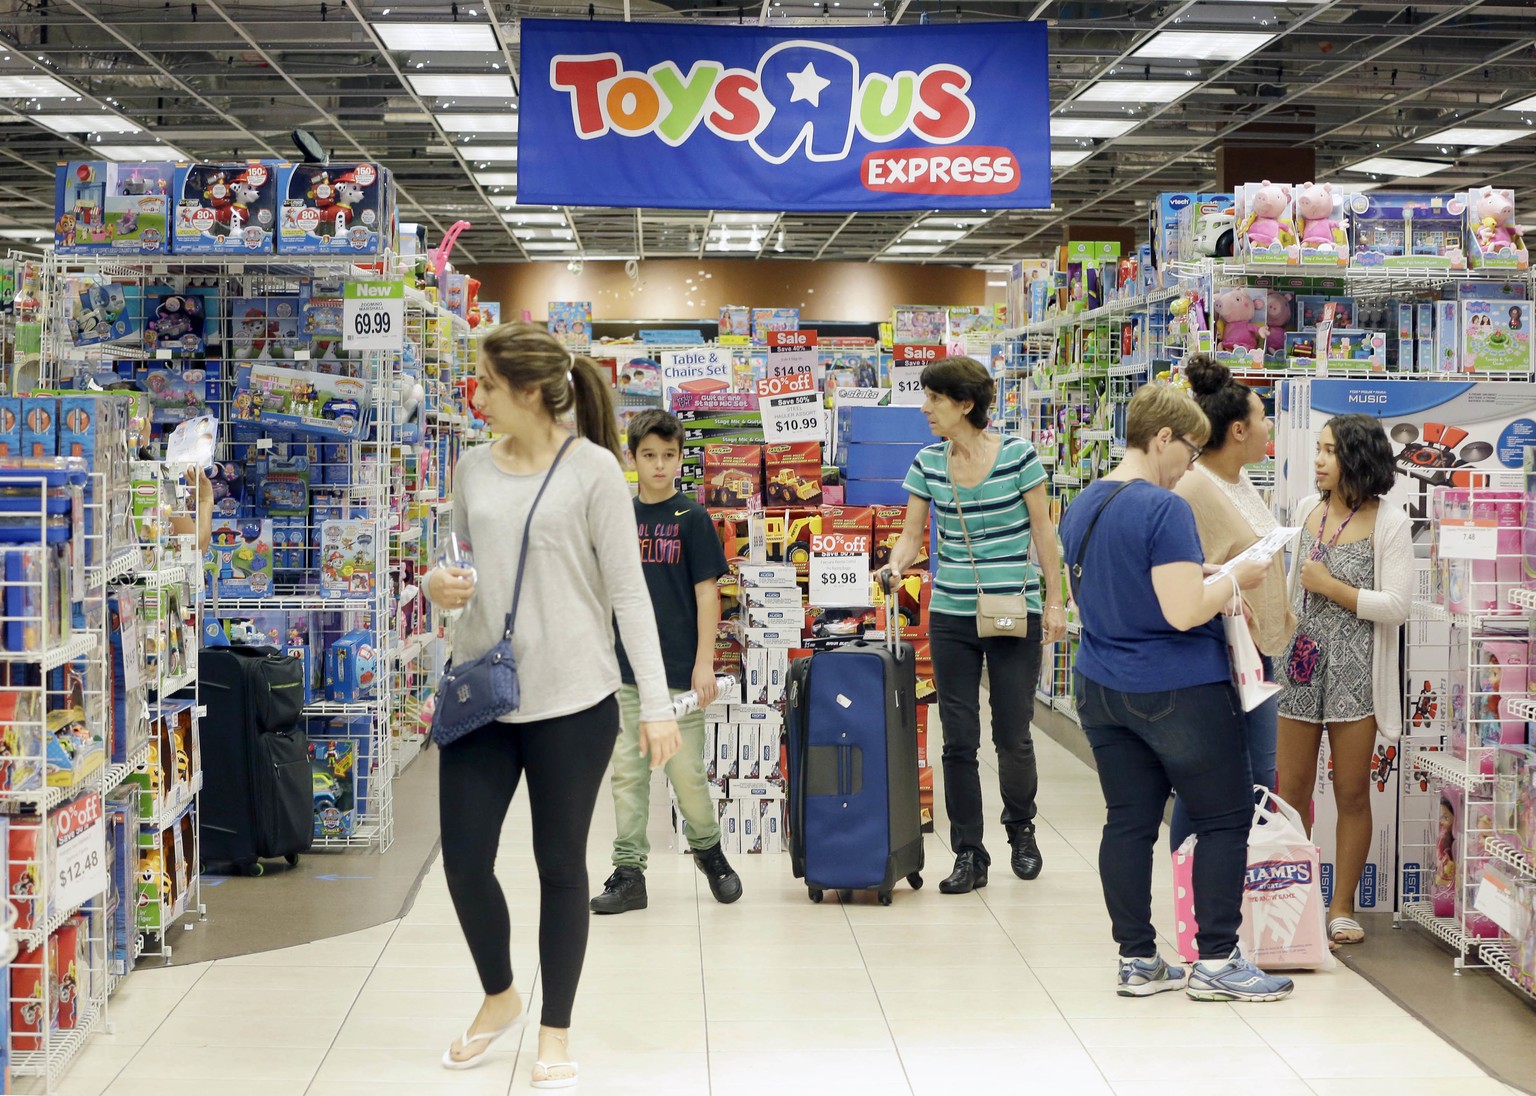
x=335, y=208
x=227, y=207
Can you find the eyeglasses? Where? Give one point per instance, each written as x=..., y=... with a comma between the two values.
x=1194, y=450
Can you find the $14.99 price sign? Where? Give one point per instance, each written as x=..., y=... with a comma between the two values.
x=839, y=571
x=907, y=365
x=79, y=860
x=373, y=315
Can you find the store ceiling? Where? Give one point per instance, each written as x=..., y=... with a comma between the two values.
x=1357, y=79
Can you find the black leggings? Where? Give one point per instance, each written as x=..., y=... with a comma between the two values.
x=565, y=760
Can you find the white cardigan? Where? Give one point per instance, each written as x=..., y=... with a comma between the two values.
x=1387, y=606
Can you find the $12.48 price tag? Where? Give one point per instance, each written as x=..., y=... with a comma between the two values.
x=839, y=573
x=373, y=315
x=80, y=851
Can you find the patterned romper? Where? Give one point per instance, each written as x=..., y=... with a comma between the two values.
x=1340, y=690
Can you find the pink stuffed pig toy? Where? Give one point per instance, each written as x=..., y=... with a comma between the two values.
x=1495, y=216
x=1314, y=208
x=1235, y=309
x=1266, y=211
x=1278, y=311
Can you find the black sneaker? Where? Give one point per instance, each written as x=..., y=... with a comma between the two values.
x=1026, y=859
x=970, y=874
x=624, y=891
x=724, y=883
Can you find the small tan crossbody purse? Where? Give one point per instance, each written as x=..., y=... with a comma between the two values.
x=996, y=614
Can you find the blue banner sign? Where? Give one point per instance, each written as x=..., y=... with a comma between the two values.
x=797, y=118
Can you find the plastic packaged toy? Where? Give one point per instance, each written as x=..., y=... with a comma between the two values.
x=1496, y=241
x=1410, y=230
x=336, y=208
x=1322, y=225
x=104, y=208
x=1266, y=231
x=321, y=404
x=226, y=207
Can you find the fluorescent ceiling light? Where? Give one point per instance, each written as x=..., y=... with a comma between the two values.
x=746, y=218
x=939, y=220
x=33, y=87
x=85, y=123
x=1386, y=165
x=438, y=37
x=914, y=249
x=1091, y=127
x=477, y=123
x=1068, y=157
x=543, y=234
x=503, y=201
x=534, y=218
x=932, y=234
x=1137, y=91
x=1203, y=45
x=548, y=245
x=1473, y=136
x=1523, y=104
x=462, y=85
x=26, y=233
x=146, y=153
x=405, y=117
x=496, y=178
x=489, y=152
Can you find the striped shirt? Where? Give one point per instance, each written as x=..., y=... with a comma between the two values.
x=997, y=519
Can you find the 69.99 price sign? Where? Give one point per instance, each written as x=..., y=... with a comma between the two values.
x=839, y=571
x=79, y=852
x=373, y=315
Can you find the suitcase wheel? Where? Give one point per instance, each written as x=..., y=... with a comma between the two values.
x=815, y=893
x=252, y=870
x=293, y=862
x=916, y=880
x=885, y=898
x=845, y=896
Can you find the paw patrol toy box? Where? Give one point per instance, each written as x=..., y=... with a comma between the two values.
x=105, y=208
x=328, y=209
x=228, y=207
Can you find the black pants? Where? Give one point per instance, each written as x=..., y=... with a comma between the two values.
x=564, y=760
x=1013, y=669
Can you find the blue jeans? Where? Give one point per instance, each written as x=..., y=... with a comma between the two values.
x=1262, y=730
x=1144, y=745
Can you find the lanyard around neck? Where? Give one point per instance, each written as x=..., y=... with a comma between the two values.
x=1319, y=549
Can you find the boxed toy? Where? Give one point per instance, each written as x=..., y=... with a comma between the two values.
x=733, y=475
x=39, y=426
x=1492, y=232
x=1496, y=337
x=351, y=667
x=226, y=207
x=22, y=724
x=64, y=970
x=101, y=207
x=265, y=328
x=101, y=313
x=177, y=322
x=29, y=997
x=333, y=768
x=239, y=559
x=331, y=208
x=321, y=404
x=1266, y=228
x=792, y=473
x=1499, y=677
x=24, y=884
x=347, y=558
x=1414, y=230
x=1240, y=313
x=1310, y=308
x=1322, y=225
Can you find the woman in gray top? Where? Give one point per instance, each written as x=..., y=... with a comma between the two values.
x=583, y=572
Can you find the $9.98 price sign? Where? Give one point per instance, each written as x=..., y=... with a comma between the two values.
x=373, y=315
x=839, y=571
x=79, y=860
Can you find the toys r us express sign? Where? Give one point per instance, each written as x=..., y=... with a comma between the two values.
x=871, y=118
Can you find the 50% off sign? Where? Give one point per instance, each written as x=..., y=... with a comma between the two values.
x=839, y=571
x=791, y=408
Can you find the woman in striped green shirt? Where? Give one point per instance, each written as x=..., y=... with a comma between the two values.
x=1000, y=484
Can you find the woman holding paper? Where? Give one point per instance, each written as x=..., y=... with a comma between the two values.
x=1352, y=587
x=1231, y=516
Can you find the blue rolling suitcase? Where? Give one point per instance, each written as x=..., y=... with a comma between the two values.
x=854, y=820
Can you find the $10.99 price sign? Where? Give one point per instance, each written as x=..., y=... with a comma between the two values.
x=791, y=408
x=907, y=365
x=839, y=571
x=79, y=860
x=373, y=315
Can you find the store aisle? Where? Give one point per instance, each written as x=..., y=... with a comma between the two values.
x=988, y=993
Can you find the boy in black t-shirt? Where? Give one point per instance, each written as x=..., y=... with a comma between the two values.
x=683, y=558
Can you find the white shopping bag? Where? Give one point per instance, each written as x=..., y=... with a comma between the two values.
x=1247, y=666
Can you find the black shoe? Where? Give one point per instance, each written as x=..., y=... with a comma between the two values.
x=624, y=891
x=724, y=883
x=1026, y=859
x=970, y=874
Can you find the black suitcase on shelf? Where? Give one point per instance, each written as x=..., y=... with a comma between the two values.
x=258, y=796
x=854, y=818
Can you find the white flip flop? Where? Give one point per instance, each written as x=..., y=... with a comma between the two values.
x=555, y=1082
x=487, y=1037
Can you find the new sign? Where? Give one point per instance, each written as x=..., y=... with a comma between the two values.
x=877, y=118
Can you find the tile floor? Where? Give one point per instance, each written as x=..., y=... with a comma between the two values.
x=1002, y=991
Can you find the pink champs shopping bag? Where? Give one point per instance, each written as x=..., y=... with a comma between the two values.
x=1283, y=912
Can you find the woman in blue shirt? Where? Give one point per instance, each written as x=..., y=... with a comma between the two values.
x=1155, y=696
x=988, y=494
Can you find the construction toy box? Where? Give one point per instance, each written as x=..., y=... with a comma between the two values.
x=106, y=208
x=733, y=475
x=792, y=473
x=329, y=209
x=224, y=208
x=333, y=772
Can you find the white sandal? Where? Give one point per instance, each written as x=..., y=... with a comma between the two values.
x=488, y=1037
x=555, y=1082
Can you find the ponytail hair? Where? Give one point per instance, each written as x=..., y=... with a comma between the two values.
x=524, y=356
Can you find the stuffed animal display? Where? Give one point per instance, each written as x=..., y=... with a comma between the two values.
x=1235, y=309
x=1315, y=220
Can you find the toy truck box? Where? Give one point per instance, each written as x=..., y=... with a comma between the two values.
x=102, y=208
x=327, y=209
x=792, y=473
x=733, y=475
x=225, y=208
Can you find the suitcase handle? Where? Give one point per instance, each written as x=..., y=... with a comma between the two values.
x=890, y=582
